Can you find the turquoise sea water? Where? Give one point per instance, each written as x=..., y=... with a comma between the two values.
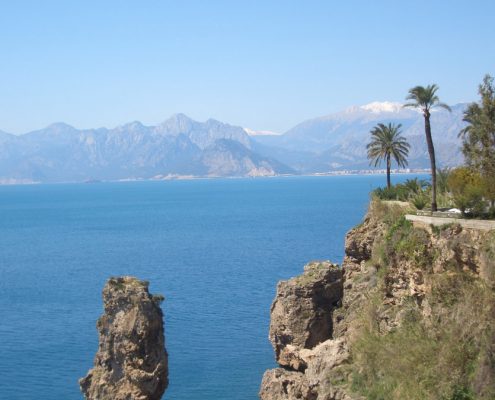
x=214, y=248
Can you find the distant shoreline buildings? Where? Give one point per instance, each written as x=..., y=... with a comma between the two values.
x=170, y=177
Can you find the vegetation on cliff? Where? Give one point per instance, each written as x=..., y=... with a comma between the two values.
x=479, y=137
x=426, y=330
x=471, y=187
x=422, y=328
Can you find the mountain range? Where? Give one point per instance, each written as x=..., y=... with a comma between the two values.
x=181, y=146
x=338, y=141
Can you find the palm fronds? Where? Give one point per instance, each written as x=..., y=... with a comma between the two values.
x=425, y=98
x=387, y=141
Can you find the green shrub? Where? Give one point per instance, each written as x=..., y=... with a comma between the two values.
x=438, y=229
x=402, y=192
x=462, y=393
x=467, y=190
x=386, y=193
x=411, y=188
x=419, y=201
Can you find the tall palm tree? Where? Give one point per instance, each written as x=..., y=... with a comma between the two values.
x=387, y=142
x=425, y=98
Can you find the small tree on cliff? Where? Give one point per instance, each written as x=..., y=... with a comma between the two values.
x=479, y=137
x=466, y=187
x=387, y=143
x=425, y=98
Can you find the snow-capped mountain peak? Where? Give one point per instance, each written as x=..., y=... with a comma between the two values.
x=252, y=132
x=382, y=106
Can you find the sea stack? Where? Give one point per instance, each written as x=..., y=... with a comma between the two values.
x=131, y=362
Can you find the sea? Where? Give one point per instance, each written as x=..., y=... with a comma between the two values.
x=214, y=248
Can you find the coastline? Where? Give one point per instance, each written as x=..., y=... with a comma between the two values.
x=408, y=171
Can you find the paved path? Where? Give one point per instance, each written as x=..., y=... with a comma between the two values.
x=484, y=225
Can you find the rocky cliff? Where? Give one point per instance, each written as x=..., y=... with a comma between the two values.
x=131, y=362
x=409, y=315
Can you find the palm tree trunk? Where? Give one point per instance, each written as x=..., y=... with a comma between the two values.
x=388, y=171
x=431, y=151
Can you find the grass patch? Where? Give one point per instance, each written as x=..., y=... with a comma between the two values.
x=404, y=242
x=438, y=229
x=387, y=211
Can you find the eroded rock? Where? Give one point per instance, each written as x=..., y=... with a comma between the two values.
x=301, y=314
x=131, y=362
x=281, y=384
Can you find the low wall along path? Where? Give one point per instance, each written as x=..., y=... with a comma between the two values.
x=484, y=225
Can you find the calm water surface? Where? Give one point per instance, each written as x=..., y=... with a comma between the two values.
x=214, y=248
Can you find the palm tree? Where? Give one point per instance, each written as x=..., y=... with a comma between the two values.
x=387, y=142
x=425, y=98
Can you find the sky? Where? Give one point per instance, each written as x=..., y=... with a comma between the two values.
x=266, y=65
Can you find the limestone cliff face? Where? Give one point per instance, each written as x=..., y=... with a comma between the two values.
x=131, y=362
x=408, y=315
x=301, y=327
x=301, y=314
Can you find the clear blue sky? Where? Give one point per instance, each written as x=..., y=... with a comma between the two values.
x=258, y=64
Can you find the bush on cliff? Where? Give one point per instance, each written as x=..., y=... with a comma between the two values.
x=467, y=188
x=406, y=191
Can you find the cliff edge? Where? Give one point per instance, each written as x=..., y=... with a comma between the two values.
x=408, y=315
x=131, y=362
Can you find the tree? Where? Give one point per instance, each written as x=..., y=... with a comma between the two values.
x=465, y=184
x=479, y=136
x=387, y=142
x=425, y=98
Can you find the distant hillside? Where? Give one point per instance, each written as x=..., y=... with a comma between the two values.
x=338, y=141
x=179, y=146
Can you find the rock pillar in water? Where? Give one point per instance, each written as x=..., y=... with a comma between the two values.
x=131, y=362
